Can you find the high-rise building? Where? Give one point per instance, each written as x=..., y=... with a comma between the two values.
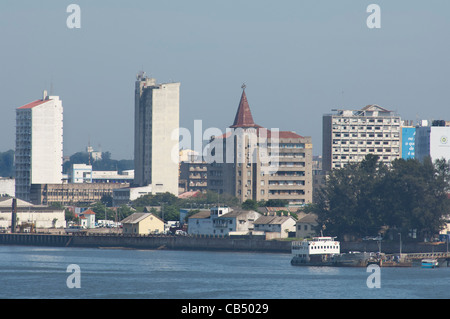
x=156, y=135
x=349, y=135
x=260, y=164
x=39, y=144
x=433, y=140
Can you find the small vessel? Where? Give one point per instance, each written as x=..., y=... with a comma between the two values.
x=320, y=251
x=430, y=263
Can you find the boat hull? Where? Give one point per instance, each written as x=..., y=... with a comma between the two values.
x=430, y=263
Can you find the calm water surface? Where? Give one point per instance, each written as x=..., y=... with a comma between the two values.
x=41, y=272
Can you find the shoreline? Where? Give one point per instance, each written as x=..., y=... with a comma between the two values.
x=249, y=244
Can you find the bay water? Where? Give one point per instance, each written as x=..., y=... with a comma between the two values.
x=30, y=272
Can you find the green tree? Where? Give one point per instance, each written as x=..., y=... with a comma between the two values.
x=361, y=198
x=7, y=164
x=250, y=204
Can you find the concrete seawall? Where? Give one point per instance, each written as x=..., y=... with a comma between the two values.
x=198, y=243
x=147, y=242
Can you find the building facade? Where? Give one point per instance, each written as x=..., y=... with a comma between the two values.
x=433, y=140
x=142, y=224
x=156, y=138
x=39, y=144
x=222, y=221
x=252, y=162
x=40, y=216
x=194, y=174
x=348, y=136
x=68, y=194
x=275, y=226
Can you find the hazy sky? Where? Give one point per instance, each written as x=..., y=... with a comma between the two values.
x=299, y=59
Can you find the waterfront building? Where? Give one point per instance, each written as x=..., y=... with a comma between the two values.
x=252, y=162
x=41, y=216
x=86, y=218
x=433, y=140
x=306, y=226
x=350, y=135
x=39, y=144
x=222, y=221
x=143, y=224
x=275, y=226
x=156, y=137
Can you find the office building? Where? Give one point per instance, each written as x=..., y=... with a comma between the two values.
x=156, y=138
x=433, y=140
x=350, y=135
x=39, y=144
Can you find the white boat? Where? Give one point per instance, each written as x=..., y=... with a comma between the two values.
x=430, y=263
x=320, y=251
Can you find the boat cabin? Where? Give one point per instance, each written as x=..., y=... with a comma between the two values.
x=317, y=246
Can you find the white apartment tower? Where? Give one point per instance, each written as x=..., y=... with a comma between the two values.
x=156, y=134
x=349, y=135
x=39, y=144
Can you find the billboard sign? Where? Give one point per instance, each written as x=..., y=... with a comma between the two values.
x=408, y=142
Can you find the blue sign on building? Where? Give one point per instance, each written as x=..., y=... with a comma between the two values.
x=409, y=142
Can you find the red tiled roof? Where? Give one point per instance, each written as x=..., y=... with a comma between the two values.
x=88, y=212
x=33, y=104
x=189, y=194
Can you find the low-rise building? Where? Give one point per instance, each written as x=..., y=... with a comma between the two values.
x=87, y=218
x=222, y=221
x=275, y=226
x=39, y=215
x=143, y=224
x=306, y=226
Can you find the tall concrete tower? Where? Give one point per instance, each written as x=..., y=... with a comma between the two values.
x=39, y=144
x=156, y=134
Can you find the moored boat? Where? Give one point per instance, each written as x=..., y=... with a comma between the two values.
x=430, y=263
x=320, y=251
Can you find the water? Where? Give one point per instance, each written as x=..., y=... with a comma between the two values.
x=41, y=273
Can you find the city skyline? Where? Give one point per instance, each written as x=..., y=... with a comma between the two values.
x=295, y=57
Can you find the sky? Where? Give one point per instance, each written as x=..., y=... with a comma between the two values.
x=299, y=60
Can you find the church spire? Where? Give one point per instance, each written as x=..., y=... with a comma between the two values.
x=244, y=116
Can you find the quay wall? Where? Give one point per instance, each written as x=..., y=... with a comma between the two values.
x=199, y=243
x=147, y=242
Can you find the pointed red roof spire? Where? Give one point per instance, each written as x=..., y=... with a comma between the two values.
x=244, y=116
